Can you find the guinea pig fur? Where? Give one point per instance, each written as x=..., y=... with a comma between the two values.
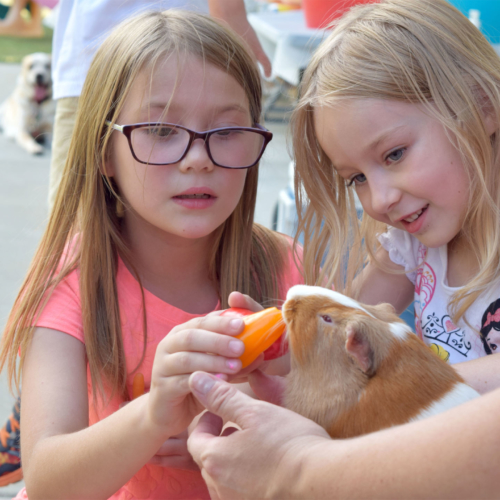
x=356, y=369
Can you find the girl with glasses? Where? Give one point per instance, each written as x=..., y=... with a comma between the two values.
x=152, y=229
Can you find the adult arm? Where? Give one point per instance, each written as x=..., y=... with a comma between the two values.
x=233, y=12
x=279, y=454
x=483, y=373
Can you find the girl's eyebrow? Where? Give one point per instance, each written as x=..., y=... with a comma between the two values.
x=383, y=136
x=219, y=110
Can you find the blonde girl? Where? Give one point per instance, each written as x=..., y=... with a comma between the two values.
x=401, y=105
x=151, y=230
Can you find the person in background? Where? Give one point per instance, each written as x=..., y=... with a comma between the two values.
x=15, y=25
x=10, y=452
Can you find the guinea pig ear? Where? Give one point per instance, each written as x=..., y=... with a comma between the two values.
x=358, y=347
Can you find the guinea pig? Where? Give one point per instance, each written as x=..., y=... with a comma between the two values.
x=357, y=369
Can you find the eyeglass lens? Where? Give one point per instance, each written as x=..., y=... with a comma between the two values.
x=167, y=144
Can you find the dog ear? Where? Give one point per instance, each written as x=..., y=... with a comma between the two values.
x=26, y=63
x=358, y=347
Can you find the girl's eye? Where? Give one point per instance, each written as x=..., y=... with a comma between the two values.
x=493, y=347
x=162, y=131
x=357, y=180
x=228, y=134
x=395, y=155
x=326, y=318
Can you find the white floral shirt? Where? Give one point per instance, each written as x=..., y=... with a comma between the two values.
x=426, y=268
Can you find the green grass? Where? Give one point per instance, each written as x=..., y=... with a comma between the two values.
x=13, y=49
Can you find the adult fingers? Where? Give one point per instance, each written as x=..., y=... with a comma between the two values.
x=270, y=388
x=209, y=424
x=229, y=430
x=209, y=427
x=184, y=462
x=220, y=398
x=174, y=445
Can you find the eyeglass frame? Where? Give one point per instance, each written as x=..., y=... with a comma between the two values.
x=127, y=130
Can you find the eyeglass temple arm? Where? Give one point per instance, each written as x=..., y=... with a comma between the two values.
x=115, y=126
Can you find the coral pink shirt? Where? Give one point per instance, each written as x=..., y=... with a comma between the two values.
x=63, y=313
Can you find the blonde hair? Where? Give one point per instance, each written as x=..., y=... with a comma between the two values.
x=84, y=229
x=418, y=51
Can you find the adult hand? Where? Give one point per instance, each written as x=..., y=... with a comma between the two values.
x=263, y=459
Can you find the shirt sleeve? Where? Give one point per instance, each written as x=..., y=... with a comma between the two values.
x=403, y=250
x=63, y=311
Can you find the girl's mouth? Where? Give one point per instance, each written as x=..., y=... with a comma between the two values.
x=195, y=201
x=414, y=222
x=200, y=196
x=415, y=216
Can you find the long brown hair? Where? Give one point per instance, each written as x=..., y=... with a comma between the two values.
x=417, y=51
x=84, y=231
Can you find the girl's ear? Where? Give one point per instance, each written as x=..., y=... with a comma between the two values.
x=108, y=168
x=490, y=123
x=489, y=115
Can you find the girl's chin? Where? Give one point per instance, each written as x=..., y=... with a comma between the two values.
x=196, y=233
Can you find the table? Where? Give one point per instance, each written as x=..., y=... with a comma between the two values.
x=289, y=44
x=287, y=41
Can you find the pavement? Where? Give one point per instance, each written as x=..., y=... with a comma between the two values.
x=23, y=215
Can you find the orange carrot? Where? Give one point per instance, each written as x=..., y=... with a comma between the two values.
x=138, y=385
x=262, y=329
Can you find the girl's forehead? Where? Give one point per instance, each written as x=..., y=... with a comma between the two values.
x=190, y=83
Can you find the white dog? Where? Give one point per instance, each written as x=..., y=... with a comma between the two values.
x=29, y=112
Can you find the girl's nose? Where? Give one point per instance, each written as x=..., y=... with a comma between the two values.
x=384, y=195
x=197, y=158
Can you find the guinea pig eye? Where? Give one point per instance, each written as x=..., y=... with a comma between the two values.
x=326, y=318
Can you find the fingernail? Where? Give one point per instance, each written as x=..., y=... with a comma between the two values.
x=236, y=324
x=236, y=346
x=232, y=365
x=202, y=382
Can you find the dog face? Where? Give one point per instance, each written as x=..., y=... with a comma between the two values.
x=36, y=77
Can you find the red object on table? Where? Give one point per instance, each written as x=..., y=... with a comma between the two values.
x=319, y=13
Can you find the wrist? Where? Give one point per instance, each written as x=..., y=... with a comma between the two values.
x=296, y=475
x=147, y=424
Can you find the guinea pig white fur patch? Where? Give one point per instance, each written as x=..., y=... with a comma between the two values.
x=399, y=330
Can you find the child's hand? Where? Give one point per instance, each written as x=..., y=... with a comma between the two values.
x=202, y=344
x=174, y=453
